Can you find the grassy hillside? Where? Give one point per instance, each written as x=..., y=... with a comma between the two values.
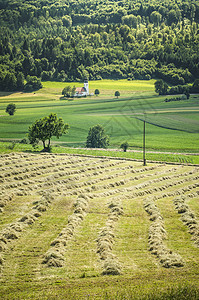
x=93, y=228
x=169, y=123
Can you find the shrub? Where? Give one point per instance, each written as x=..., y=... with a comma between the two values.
x=97, y=138
x=97, y=92
x=10, y=109
x=117, y=94
x=124, y=146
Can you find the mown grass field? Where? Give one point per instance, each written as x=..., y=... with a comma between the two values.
x=75, y=227
x=171, y=126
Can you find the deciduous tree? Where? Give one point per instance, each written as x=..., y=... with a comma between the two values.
x=117, y=94
x=97, y=92
x=97, y=138
x=10, y=109
x=44, y=129
x=124, y=146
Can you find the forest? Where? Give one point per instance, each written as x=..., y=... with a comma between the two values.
x=67, y=41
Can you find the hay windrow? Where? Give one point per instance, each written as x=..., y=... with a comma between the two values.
x=13, y=231
x=60, y=243
x=105, y=240
x=187, y=217
x=157, y=235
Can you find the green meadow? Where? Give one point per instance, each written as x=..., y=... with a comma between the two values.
x=170, y=126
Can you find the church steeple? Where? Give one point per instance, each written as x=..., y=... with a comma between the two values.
x=86, y=86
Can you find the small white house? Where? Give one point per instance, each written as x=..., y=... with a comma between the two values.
x=82, y=91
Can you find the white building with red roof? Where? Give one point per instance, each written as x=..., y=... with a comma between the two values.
x=82, y=91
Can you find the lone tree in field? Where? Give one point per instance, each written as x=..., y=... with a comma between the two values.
x=97, y=138
x=44, y=129
x=10, y=109
x=124, y=146
x=97, y=92
x=117, y=94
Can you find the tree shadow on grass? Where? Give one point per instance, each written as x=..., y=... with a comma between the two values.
x=4, y=94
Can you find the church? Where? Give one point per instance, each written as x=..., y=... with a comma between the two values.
x=82, y=91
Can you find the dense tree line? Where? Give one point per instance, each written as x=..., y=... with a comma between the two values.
x=66, y=41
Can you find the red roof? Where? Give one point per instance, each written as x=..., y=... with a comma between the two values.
x=80, y=89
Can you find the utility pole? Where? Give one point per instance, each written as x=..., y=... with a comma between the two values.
x=144, y=159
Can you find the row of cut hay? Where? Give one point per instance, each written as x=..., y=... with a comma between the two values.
x=46, y=182
x=188, y=217
x=128, y=190
x=6, y=158
x=157, y=235
x=126, y=193
x=26, y=187
x=55, y=255
x=127, y=171
x=105, y=241
x=52, y=168
x=4, y=200
x=157, y=180
x=13, y=231
x=46, y=185
x=15, y=185
x=38, y=163
x=158, y=188
x=51, y=177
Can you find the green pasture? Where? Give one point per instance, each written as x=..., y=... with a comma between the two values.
x=106, y=87
x=171, y=126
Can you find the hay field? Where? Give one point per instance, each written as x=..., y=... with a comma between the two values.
x=76, y=227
